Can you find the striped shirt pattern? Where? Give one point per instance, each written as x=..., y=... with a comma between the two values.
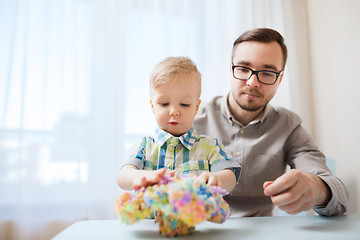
x=188, y=153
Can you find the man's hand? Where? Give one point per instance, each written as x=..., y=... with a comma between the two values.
x=296, y=191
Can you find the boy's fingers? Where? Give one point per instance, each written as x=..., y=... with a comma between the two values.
x=142, y=183
x=172, y=172
x=205, y=177
x=212, y=181
x=161, y=172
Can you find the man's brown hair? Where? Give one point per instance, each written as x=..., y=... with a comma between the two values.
x=265, y=35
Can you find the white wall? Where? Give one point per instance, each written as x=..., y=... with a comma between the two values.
x=334, y=40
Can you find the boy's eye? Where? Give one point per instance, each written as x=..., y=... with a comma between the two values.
x=184, y=104
x=164, y=104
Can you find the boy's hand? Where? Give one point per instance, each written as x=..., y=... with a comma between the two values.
x=148, y=178
x=225, y=179
x=210, y=178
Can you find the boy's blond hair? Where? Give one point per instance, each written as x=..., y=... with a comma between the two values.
x=171, y=68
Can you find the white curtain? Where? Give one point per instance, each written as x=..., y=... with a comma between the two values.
x=74, y=92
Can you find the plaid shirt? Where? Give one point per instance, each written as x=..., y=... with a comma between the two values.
x=188, y=153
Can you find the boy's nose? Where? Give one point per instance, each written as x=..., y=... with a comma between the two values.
x=174, y=112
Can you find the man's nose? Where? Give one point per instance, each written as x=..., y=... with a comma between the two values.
x=253, y=81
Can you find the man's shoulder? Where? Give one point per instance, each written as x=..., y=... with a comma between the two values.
x=285, y=114
x=210, y=114
x=211, y=106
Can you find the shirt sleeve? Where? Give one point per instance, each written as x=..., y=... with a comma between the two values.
x=304, y=155
x=136, y=155
x=221, y=159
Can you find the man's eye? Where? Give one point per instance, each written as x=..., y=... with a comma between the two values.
x=268, y=74
x=244, y=70
x=184, y=104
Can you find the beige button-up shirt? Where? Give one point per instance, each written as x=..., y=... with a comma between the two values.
x=264, y=148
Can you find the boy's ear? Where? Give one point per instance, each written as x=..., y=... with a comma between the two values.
x=152, y=105
x=198, y=105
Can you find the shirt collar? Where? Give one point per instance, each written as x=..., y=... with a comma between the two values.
x=187, y=139
x=225, y=110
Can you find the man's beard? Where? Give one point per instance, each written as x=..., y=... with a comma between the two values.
x=249, y=109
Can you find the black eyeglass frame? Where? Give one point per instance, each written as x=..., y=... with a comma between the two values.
x=256, y=73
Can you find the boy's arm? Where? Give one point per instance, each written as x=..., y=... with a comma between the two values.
x=130, y=177
x=224, y=178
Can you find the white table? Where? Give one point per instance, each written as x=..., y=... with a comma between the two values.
x=277, y=228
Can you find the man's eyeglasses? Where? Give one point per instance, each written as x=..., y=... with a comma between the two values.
x=264, y=76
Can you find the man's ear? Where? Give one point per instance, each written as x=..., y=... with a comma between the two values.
x=152, y=105
x=281, y=76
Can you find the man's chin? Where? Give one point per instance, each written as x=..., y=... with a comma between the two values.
x=250, y=108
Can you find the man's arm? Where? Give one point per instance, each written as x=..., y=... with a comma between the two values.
x=310, y=184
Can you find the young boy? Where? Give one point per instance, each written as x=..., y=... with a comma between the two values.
x=175, y=89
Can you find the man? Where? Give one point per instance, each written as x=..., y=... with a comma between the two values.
x=264, y=139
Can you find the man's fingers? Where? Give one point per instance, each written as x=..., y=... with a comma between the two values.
x=267, y=183
x=282, y=183
x=288, y=197
x=301, y=204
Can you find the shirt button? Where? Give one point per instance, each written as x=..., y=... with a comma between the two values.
x=238, y=153
x=242, y=131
